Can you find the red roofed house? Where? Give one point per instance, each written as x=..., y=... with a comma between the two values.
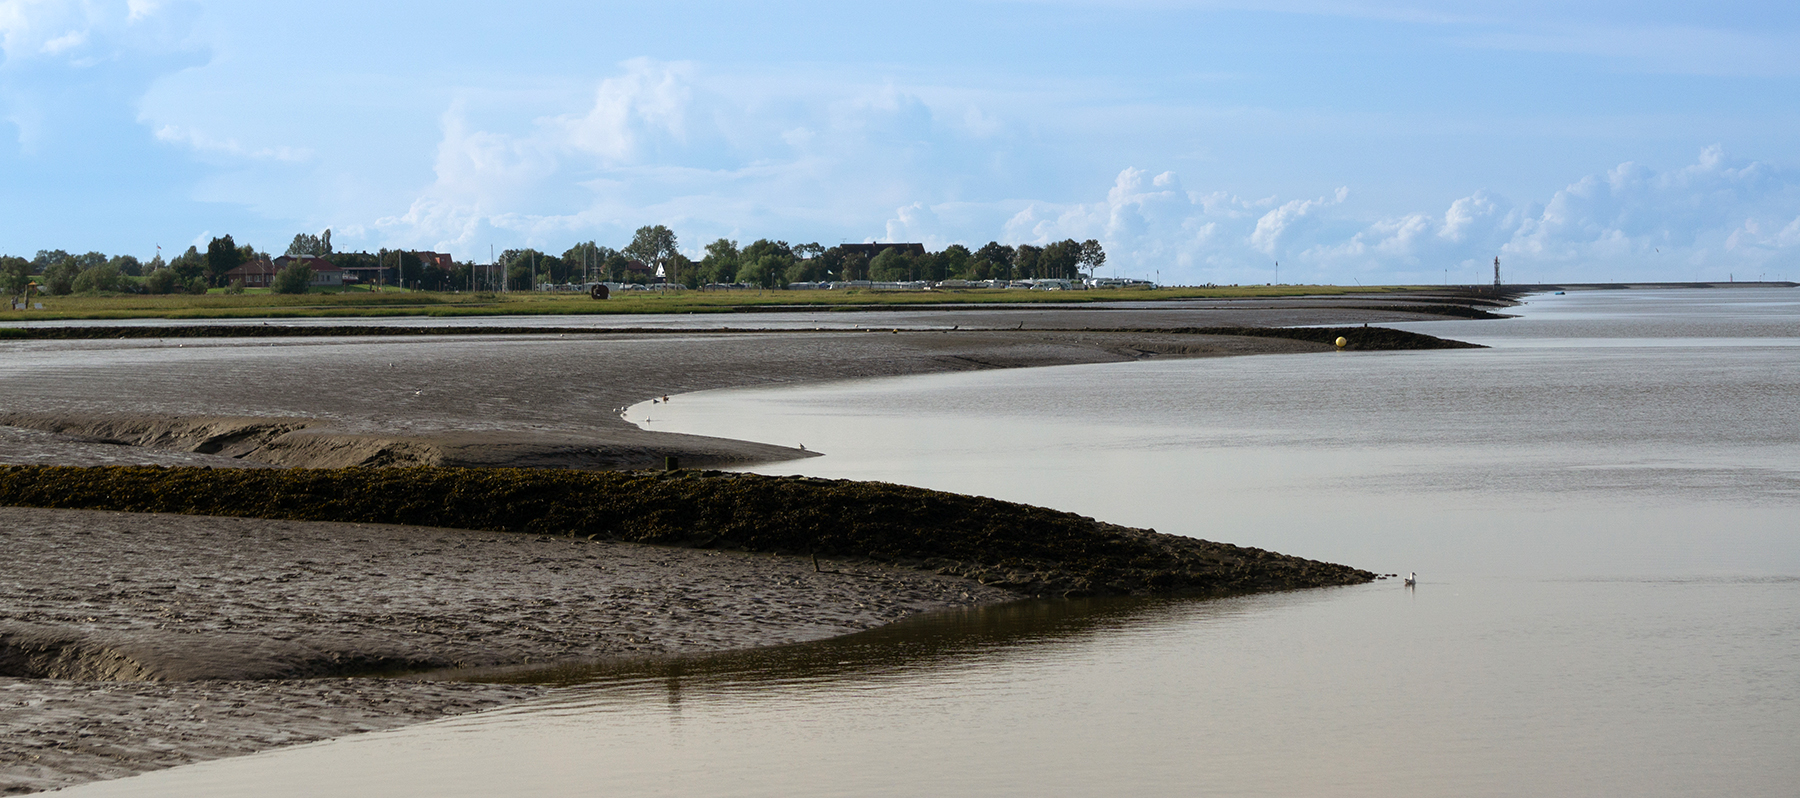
x=324, y=273
x=258, y=273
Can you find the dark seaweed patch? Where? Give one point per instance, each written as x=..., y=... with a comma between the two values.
x=1031, y=550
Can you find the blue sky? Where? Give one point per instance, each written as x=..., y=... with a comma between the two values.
x=1372, y=142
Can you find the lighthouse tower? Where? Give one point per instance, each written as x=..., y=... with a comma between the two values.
x=1496, y=275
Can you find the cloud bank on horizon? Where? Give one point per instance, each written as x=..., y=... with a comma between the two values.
x=1377, y=142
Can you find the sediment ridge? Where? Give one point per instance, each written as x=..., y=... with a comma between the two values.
x=315, y=443
x=1031, y=551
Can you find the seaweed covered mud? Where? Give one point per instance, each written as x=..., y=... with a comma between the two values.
x=1031, y=551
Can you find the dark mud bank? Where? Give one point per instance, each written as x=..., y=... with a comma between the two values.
x=1031, y=551
x=314, y=443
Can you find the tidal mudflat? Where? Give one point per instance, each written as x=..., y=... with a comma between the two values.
x=501, y=400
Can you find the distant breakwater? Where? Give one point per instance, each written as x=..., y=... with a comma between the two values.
x=1032, y=551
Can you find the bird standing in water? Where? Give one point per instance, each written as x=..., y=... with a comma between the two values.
x=1412, y=579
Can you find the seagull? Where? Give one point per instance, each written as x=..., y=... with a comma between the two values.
x=1412, y=579
x=803, y=447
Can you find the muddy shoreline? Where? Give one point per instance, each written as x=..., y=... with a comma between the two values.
x=485, y=400
x=173, y=639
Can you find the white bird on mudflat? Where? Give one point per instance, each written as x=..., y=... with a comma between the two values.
x=1412, y=579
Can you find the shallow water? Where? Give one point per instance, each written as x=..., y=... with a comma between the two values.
x=1602, y=509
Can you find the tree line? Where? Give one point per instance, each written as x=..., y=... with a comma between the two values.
x=652, y=253
x=773, y=264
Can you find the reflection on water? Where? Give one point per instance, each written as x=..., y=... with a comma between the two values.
x=1609, y=597
x=1481, y=687
x=937, y=642
x=1518, y=460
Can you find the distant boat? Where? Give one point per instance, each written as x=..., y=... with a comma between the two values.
x=1560, y=293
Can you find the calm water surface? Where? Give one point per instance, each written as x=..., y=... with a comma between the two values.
x=1604, y=510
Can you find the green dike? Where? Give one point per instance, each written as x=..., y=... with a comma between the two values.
x=1031, y=550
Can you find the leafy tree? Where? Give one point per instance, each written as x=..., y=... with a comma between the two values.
x=155, y=263
x=163, y=281
x=47, y=258
x=891, y=265
x=461, y=277
x=720, y=265
x=236, y=287
x=994, y=261
x=954, y=262
x=305, y=244
x=522, y=264
x=613, y=267
x=15, y=275
x=768, y=271
x=830, y=264
x=1025, y=261
x=809, y=270
x=1092, y=256
x=189, y=265
x=197, y=285
x=127, y=264
x=90, y=260
x=1061, y=260
x=655, y=246
x=410, y=271
x=60, y=278
x=222, y=255
x=295, y=278
x=765, y=263
x=808, y=265
x=96, y=279
x=588, y=261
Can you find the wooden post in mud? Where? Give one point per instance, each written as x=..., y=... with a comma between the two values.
x=671, y=463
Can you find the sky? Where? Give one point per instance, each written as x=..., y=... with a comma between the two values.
x=1315, y=141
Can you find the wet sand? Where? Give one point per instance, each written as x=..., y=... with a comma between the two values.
x=490, y=401
x=155, y=640
x=108, y=595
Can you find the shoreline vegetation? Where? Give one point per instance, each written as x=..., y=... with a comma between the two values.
x=1032, y=551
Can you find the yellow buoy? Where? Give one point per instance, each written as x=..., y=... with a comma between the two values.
x=1342, y=342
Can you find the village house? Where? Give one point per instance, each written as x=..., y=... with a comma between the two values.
x=324, y=273
x=258, y=273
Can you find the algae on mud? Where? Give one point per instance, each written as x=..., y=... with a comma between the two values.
x=1029, y=550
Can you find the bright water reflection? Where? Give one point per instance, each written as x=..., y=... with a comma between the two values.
x=1526, y=459
x=1484, y=688
x=1609, y=603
